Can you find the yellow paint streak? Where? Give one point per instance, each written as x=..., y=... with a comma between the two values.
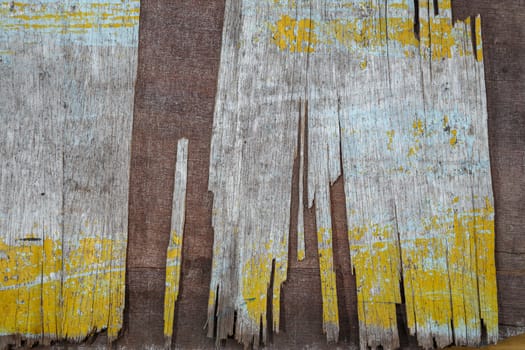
x=31, y=15
x=328, y=280
x=173, y=266
x=40, y=295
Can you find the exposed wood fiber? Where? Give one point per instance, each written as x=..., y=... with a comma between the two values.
x=66, y=96
x=402, y=116
x=174, y=254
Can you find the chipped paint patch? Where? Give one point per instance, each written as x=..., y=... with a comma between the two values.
x=48, y=292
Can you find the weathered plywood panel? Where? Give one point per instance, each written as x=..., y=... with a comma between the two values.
x=66, y=96
x=394, y=98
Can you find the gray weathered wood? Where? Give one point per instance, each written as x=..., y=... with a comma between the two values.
x=66, y=98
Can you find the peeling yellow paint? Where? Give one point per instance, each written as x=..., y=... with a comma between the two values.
x=56, y=293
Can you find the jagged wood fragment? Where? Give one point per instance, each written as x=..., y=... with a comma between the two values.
x=405, y=115
x=66, y=101
x=174, y=254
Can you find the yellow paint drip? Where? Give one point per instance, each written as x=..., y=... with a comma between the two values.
x=43, y=296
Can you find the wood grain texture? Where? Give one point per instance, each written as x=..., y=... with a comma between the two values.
x=179, y=57
x=68, y=73
x=396, y=102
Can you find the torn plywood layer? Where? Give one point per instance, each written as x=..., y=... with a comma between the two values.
x=66, y=109
x=174, y=254
x=396, y=104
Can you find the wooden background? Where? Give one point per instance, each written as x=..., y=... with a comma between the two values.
x=179, y=54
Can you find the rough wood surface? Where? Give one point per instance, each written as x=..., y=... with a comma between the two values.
x=395, y=97
x=66, y=94
x=178, y=68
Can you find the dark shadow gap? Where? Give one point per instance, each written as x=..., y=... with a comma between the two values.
x=215, y=318
x=436, y=7
x=417, y=25
x=269, y=309
x=473, y=36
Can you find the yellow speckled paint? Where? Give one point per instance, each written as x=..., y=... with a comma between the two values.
x=55, y=293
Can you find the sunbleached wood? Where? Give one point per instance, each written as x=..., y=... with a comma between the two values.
x=406, y=118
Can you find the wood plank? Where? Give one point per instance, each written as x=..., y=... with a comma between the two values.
x=66, y=110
